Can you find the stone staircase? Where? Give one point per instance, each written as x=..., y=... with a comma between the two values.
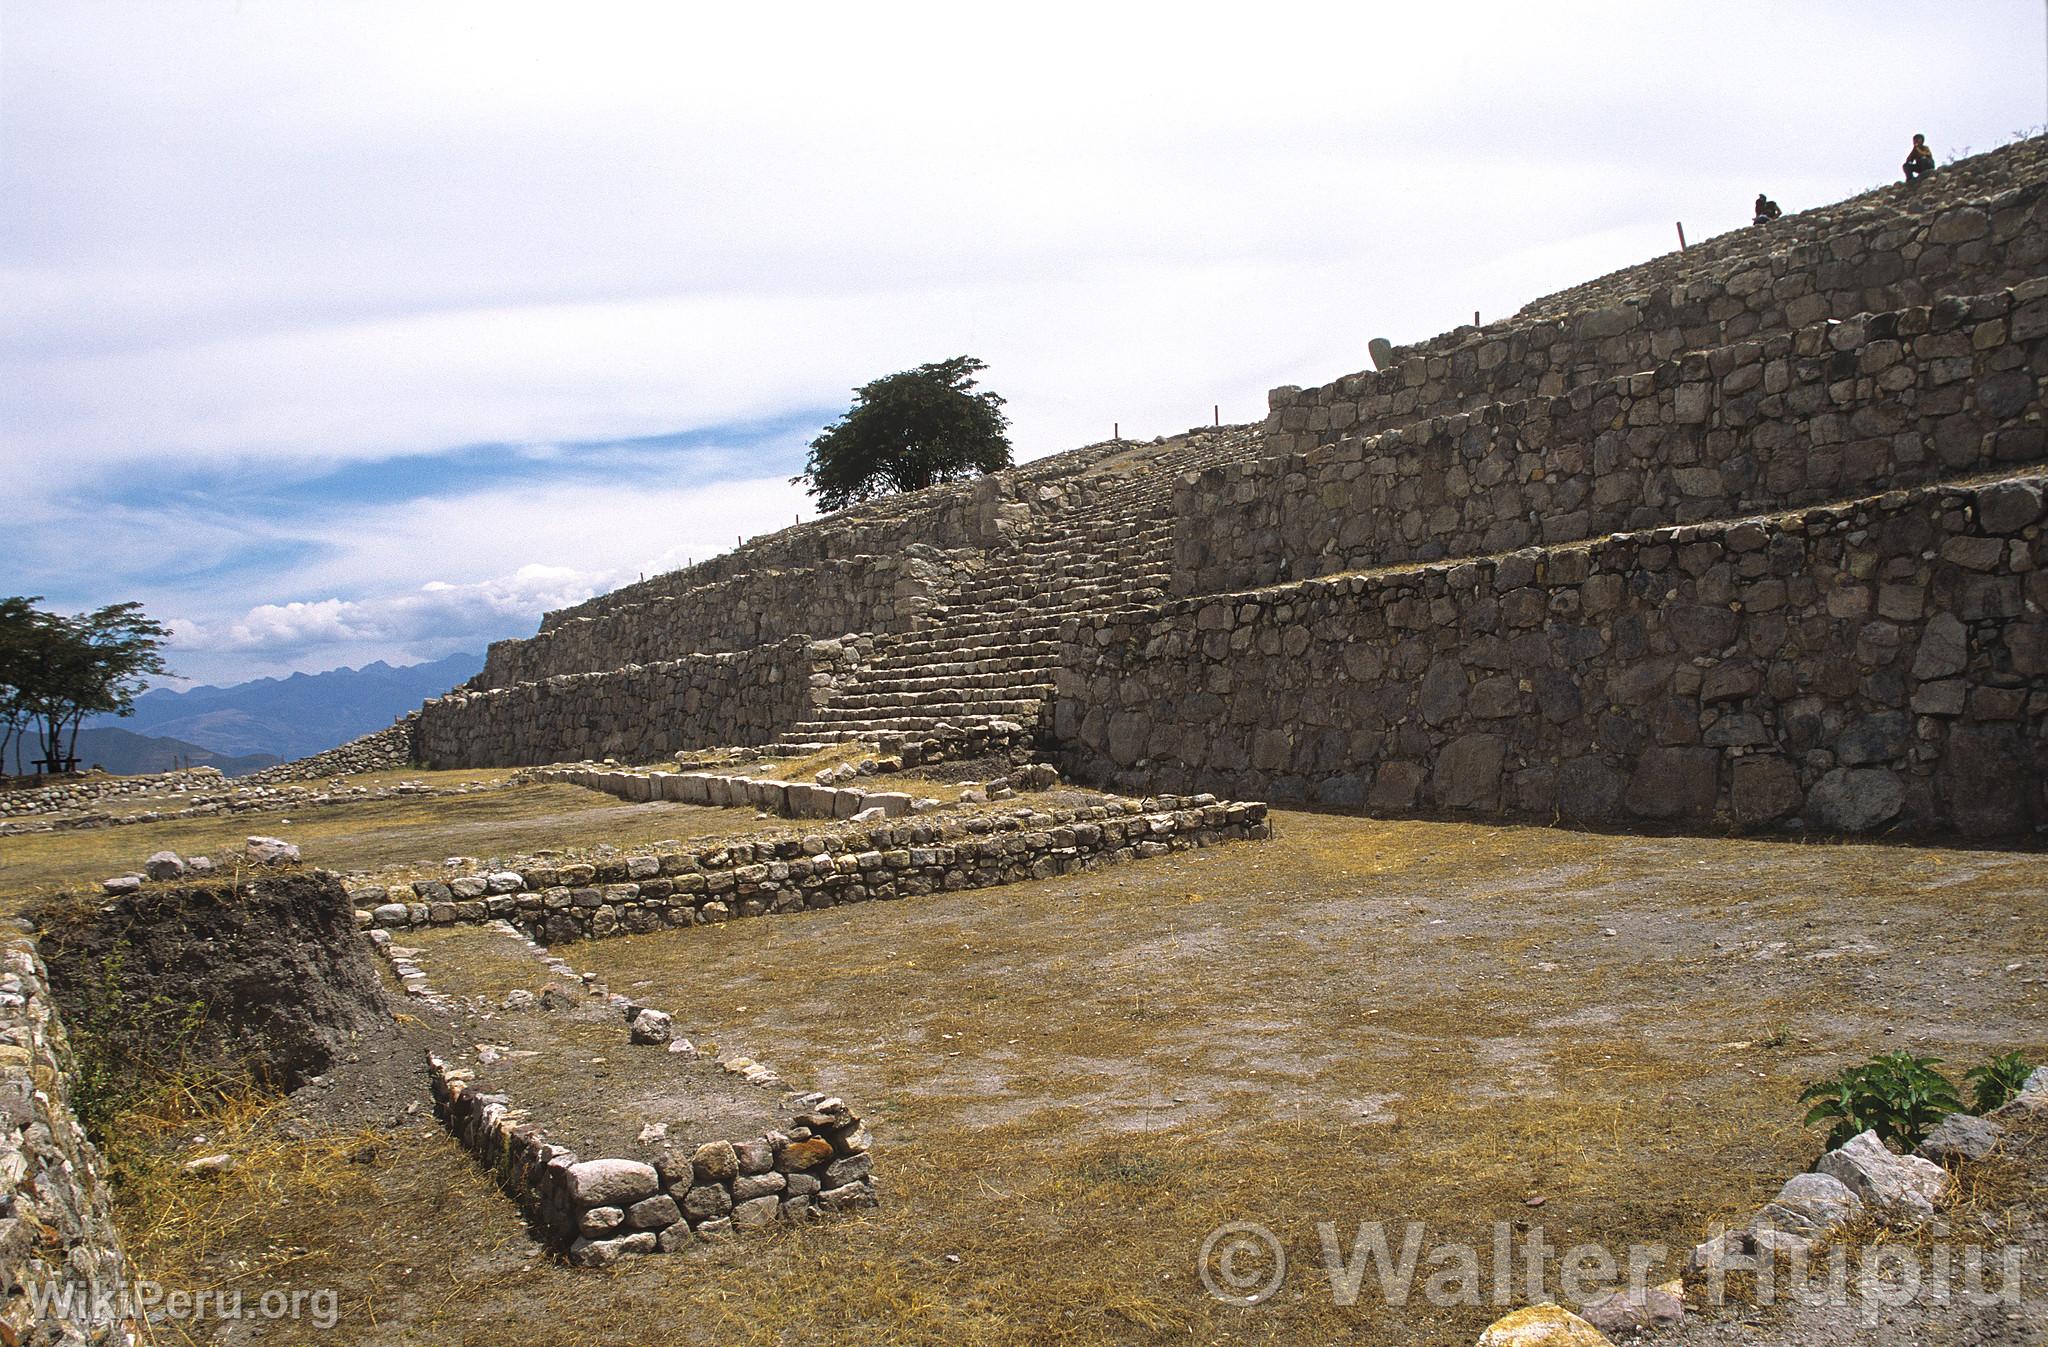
x=991, y=654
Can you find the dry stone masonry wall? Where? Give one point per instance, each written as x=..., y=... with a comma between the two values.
x=1877, y=663
x=63, y=1275
x=386, y=750
x=639, y=713
x=828, y=598
x=1830, y=412
x=555, y=904
x=1779, y=279
x=1840, y=414
x=772, y=1155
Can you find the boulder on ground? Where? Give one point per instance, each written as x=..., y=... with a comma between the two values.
x=164, y=865
x=652, y=1026
x=1903, y=1183
x=1960, y=1136
x=1543, y=1326
x=1633, y=1311
x=270, y=851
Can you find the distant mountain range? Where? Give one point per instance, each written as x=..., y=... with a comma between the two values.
x=278, y=718
x=126, y=754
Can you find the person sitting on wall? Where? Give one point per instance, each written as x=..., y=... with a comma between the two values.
x=1766, y=209
x=1919, y=160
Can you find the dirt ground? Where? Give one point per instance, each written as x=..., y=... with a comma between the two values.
x=573, y=1069
x=378, y=836
x=1073, y=1082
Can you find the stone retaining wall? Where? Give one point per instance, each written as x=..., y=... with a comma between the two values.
x=556, y=904
x=63, y=1275
x=637, y=713
x=1879, y=663
x=832, y=596
x=983, y=512
x=1830, y=412
x=385, y=750
x=1872, y=262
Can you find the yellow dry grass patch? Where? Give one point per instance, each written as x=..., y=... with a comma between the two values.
x=1072, y=1082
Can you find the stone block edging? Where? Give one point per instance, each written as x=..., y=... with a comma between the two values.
x=638, y=894
x=63, y=1273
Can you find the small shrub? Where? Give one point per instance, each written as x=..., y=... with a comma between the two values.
x=1998, y=1081
x=1898, y=1096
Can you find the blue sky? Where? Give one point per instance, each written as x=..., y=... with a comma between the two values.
x=346, y=332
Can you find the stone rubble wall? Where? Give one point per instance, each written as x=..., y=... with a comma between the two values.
x=385, y=750
x=66, y=793
x=1858, y=263
x=57, y=1230
x=761, y=607
x=1879, y=663
x=634, y=1208
x=556, y=904
x=1830, y=412
x=784, y=799
x=818, y=1163
x=985, y=512
x=636, y=713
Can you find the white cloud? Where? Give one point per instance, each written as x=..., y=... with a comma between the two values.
x=269, y=238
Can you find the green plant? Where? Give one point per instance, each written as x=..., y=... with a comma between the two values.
x=1898, y=1096
x=1998, y=1081
x=906, y=431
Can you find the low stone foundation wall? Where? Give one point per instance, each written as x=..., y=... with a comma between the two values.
x=606, y=1209
x=556, y=904
x=63, y=1274
x=637, y=713
x=785, y=799
x=1876, y=664
x=671, y=1192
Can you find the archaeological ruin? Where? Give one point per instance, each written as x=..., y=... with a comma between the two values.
x=1746, y=536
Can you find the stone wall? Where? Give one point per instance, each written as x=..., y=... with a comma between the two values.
x=829, y=598
x=630, y=1207
x=385, y=750
x=63, y=1275
x=1868, y=262
x=983, y=512
x=1879, y=663
x=788, y=1156
x=638, y=713
x=1830, y=412
x=898, y=859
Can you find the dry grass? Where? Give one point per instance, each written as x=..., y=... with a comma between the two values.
x=1072, y=1082
x=379, y=835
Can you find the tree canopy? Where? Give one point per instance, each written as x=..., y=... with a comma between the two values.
x=906, y=431
x=57, y=670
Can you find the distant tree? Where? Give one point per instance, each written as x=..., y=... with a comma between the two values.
x=19, y=625
x=906, y=431
x=58, y=670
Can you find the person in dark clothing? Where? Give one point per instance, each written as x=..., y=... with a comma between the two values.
x=1766, y=209
x=1919, y=160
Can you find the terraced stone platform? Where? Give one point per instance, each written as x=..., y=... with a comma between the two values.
x=1896, y=340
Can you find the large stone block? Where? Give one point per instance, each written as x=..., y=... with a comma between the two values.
x=1855, y=799
x=1467, y=772
x=1675, y=783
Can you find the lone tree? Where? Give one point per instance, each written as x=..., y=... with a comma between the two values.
x=55, y=670
x=907, y=431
